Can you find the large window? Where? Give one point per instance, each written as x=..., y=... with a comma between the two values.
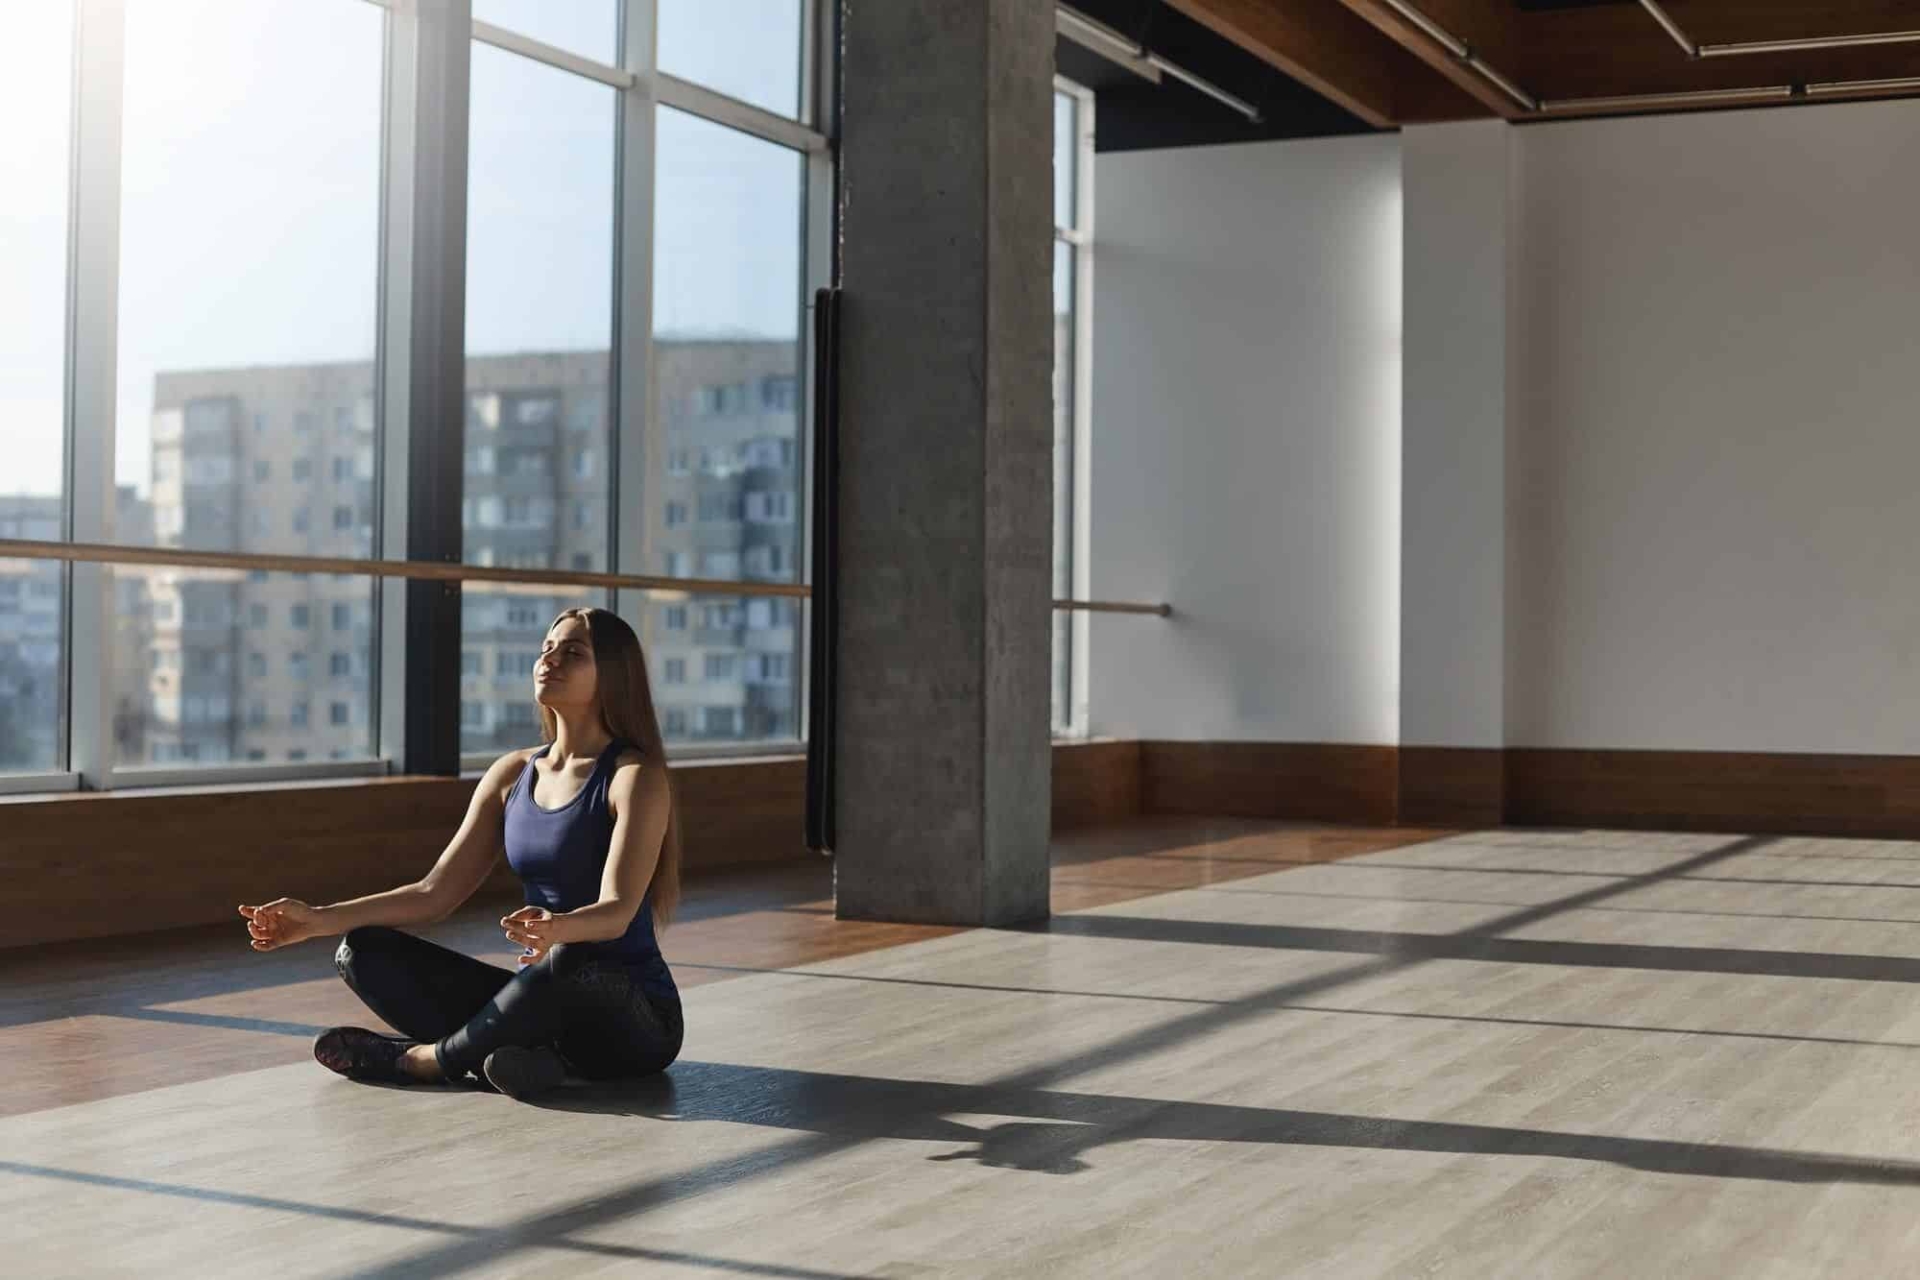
x=35, y=89
x=747, y=49
x=228, y=257
x=249, y=262
x=728, y=280
x=540, y=298
x=1072, y=266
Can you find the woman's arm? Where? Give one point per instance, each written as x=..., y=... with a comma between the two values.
x=638, y=797
x=462, y=867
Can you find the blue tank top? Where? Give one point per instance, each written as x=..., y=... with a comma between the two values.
x=559, y=855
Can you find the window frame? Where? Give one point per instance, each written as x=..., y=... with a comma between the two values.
x=86, y=744
x=1080, y=237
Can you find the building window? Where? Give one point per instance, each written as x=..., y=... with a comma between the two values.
x=720, y=666
x=256, y=713
x=340, y=664
x=297, y=666
x=778, y=394
x=299, y=519
x=342, y=617
x=343, y=517
x=257, y=666
x=583, y=464
x=299, y=615
x=676, y=726
x=522, y=617
x=470, y=663
x=299, y=716
x=515, y=662
x=717, y=507
x=256, y=616
x=342, y=469
x=674, y=671
x=339, y=713
x=676, y=514
x=770, y=508
x=678, y=465
x=262, y=470
x=473, y=715
x=583, y=561
x=718, y=721
x=674, y=617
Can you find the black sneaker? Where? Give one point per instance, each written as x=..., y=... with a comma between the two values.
x=359, y=1054
x=521, y=1072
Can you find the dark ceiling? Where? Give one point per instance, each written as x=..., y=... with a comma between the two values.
x=1133, y=114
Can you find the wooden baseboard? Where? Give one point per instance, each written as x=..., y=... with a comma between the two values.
x=1748, y=792
x=1316, y=782
x=85, y=866
x=1095, y=783
x=1452, y=786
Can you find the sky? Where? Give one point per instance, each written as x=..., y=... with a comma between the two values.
x=249, y=220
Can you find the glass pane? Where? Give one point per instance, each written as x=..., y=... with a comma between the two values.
x=539, y=474
x=223, y=667
x=32, y=606
x=724, y=500
x=746, y=49
x=1063, y=410
x=501, y=630
x=36, y=60
x=249, y=260
x=1066, y=152
x=725, y=668
x=590, y=28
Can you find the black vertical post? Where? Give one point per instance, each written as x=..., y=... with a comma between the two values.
x=438, y=62
x=824, y=615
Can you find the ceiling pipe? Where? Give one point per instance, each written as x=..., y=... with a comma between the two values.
x=1464, y=53
x=1101, y=39
x=1671, y=27
x=1687, y=98
x=1538, y=107
x=1738, y=47
x=1127, y=52
x=1212, y=90
x=1814, y=42
x=1836, y=88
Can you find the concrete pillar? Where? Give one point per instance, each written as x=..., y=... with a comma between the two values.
x=1457, y=191
x=944, y=779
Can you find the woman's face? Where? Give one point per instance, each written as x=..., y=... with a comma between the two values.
x=565, y=676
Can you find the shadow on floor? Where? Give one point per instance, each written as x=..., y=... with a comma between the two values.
x=1056, y=1130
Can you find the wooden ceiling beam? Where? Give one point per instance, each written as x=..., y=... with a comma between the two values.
x=1325, y=46
x=1487, y=27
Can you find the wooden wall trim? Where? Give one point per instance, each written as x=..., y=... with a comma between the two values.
x=83, y=866
x=1452, y=786
x=1747, y=792
x=1317, y=782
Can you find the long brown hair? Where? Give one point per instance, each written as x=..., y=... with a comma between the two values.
x=626, y=709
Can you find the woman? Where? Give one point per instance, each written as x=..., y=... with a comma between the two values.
x=587, y=823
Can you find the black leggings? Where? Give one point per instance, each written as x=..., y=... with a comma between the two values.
x=593, y=1012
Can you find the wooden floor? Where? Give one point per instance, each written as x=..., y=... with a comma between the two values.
x=1238, y=1048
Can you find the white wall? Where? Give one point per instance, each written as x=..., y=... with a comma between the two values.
x=1458, y=195
x=1245, y=453
x=1715, y=479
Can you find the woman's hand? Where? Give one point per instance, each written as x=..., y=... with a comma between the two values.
x=533, y=928
x=281, y=923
